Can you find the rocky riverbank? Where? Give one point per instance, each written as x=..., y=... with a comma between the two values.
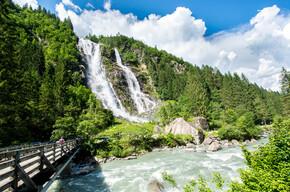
x=211, y=143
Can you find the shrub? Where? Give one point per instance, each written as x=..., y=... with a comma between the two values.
x=230, y=132
x=116, y=151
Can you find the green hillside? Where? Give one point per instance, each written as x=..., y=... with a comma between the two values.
x=43, y=93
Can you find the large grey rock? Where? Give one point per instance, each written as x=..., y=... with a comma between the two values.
x=236, y=143
x=180, y=127
x=200, y=123
x=223, y=142
x=253, y=141
x=190, y=145
x=207, y=141
x=158, y=129
x=215, y=146
x=155, y=185
x=229, y=145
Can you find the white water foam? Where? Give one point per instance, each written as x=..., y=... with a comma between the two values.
x=141, y=102
x=99, y=83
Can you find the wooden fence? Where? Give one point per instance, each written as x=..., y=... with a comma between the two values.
x=18, y=167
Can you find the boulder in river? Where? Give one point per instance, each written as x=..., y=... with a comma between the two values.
x=180, y=127
x=155, y=185
x=253, y=141
x=200, y=123
x=207, y=141
x=158, y=129
x=236, y=143
x=215, y=146
x=190, y=145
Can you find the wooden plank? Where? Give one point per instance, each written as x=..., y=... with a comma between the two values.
x=29, y=150
x=33, y=170
x=57, y=155
x=7, y=154
x=48, y=164
x=7, y=164
x=50, y=159
x=25, y=158
x=48, y=149
x=48, y=155
x=25, y=178
x=6, y=175
x=30, y=164
x=6, y=186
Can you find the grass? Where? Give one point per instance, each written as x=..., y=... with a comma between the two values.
x=128, y=128
x=207, y=134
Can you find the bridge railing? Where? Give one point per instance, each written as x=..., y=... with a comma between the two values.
x=17, y=167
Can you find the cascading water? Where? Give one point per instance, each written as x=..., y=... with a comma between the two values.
x=136, y=175
x=98, y=82
x=142, y=103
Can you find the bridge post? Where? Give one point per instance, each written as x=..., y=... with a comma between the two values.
x=15, y=176
x=41, y=158
x=61, y=149
x=54, y=146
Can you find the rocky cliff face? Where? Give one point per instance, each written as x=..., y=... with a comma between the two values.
x=117, y=78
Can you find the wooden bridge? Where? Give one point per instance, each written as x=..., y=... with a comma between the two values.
x=27, y=168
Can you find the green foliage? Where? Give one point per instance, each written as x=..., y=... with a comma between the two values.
x=285, y=89
x=169, y=178
x=40, y=84
x=218, y=180
x=173, y=140
x=238, y=128
x=268, y=166
x=201, y=184
x=195, y=97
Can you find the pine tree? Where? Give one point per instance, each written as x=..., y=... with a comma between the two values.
x=285, y=91
x=195, y=96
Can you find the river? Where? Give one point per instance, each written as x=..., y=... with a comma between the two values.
x=136, y=175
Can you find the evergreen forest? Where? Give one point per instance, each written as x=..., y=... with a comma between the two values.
x=44, y=95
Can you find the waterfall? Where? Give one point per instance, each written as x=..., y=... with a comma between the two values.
x=141, y=102
x=98, y=82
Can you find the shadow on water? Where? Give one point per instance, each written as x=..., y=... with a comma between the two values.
x=92, y=182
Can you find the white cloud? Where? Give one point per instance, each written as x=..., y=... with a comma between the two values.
x=107, y=5
x=32, y=3
x=259, y=49
x=70, y=4
x=90, y=5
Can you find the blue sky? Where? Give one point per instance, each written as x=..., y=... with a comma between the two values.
x=218, y=14
x=238, y=36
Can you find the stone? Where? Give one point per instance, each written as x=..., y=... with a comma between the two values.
x=200, y=123
x=223, y=142
x=207, y=141
x=166, y=149
x=156, y=185
x=190, y=145
x=158, y=129
x=236, y=143
x=190, y=150
x=156, y=150
x=130, y=158
x=215, y=146
x=253, y=141
x=180, y=127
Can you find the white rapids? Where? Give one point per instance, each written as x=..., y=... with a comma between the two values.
x=141, y=102
x=136, y=175
x=99, y=83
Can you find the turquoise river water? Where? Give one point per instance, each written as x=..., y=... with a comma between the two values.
x=136, y=175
